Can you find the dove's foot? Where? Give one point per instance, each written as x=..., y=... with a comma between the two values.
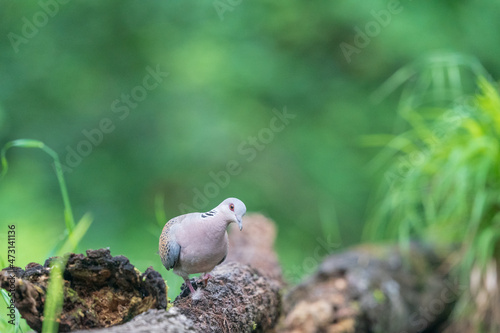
x=205, y=278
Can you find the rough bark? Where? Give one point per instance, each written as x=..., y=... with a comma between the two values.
x=152, y=321
x=236, y=299
x=372, y=289
x=99, y=291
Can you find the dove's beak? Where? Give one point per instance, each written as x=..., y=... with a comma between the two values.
x=240, y=222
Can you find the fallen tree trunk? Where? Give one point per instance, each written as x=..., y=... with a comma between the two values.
x=243, y=294
x=373, y=289
x=367, y=289
x=236, y=299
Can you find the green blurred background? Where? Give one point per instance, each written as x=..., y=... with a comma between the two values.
x=229, y=64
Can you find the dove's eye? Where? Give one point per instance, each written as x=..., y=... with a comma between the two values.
x=231, y=206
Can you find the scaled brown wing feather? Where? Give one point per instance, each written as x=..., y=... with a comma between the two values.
x=169, y=249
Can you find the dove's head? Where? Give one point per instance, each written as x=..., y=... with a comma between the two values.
x=234, y=209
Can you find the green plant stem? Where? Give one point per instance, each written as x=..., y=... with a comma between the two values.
x=28, y=143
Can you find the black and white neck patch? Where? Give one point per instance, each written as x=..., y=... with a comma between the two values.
x=207, y=214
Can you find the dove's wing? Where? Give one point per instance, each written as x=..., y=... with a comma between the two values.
x=169, y=248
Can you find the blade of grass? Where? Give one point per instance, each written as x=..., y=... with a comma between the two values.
x=6, y=299
x=59, y=243
x=75, y=237
x=28, y=143
x=391, y=84
x=485, y=247
x=55, y=296
x=55, y=289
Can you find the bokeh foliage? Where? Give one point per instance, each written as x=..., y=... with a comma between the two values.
x=225, y=78
x=441, y=186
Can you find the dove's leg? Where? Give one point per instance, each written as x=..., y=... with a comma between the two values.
x=190, y=286
x=185, y=277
